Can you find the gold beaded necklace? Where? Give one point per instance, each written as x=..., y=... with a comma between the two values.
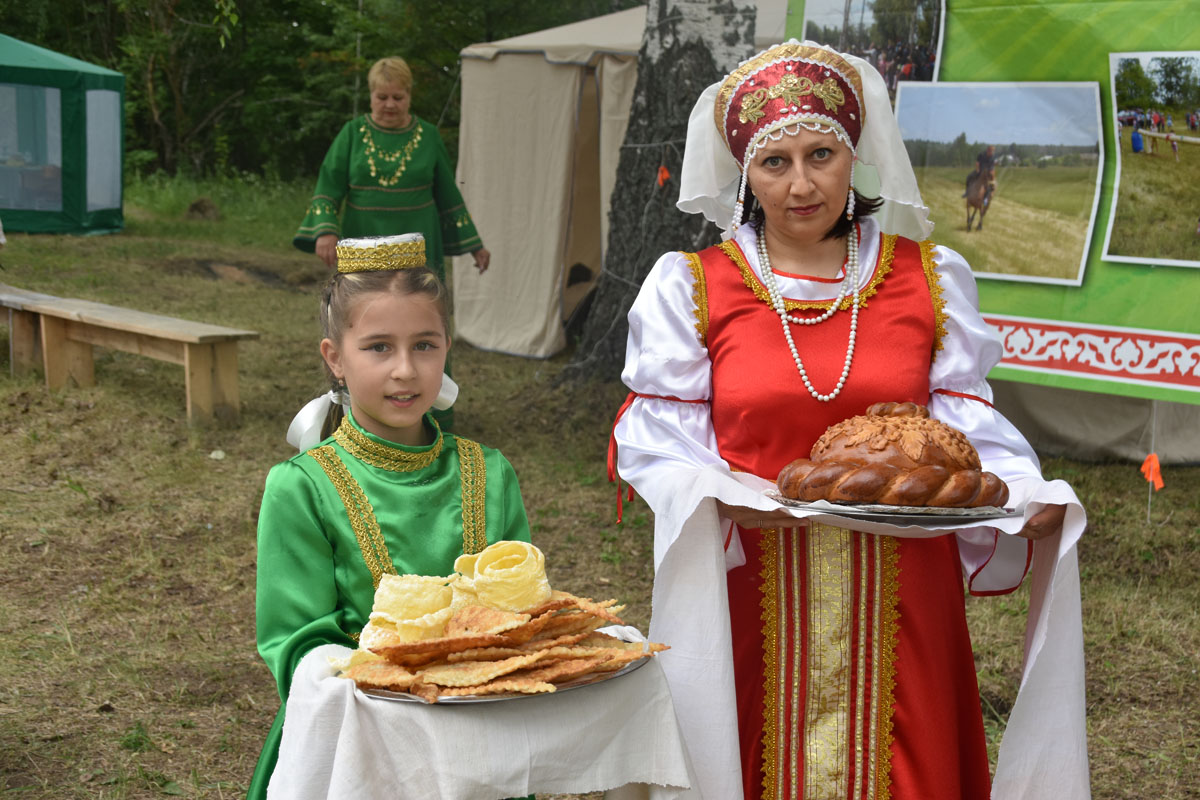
x=399, y=157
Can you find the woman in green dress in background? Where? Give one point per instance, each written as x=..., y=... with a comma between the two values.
x=388, y=172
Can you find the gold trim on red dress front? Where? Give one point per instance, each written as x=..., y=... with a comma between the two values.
x=829, y=625
x=935, y=293
x=699, y=295
x=887, y=252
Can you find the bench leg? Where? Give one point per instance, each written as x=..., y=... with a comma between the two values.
x=64, y=358
x=23, y=346
x=225, y=381
x=198, y=380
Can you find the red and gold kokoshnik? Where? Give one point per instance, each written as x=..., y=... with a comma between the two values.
x=787, y=84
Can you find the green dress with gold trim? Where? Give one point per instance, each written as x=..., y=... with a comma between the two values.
x=338, y=516
x=383, y=182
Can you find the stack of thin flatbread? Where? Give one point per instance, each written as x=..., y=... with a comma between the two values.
x=488, y=651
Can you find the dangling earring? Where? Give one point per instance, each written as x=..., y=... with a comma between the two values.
x=850, y=193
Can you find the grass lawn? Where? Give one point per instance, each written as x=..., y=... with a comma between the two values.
x=1035, y=226
x=1157, y=209
x=127, y=659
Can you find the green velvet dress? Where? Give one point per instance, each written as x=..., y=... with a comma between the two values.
x=415, y=510
x=382, y=182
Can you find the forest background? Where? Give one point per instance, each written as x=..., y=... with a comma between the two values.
x=216, y=88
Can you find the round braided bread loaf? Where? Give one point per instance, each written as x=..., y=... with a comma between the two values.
x=895, y=454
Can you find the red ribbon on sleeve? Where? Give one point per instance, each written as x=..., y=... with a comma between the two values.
x=613, y=477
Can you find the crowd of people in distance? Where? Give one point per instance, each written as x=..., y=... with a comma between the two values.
x=900, y=61
x=1153, y=121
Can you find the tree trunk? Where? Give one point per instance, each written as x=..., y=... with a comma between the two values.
x=687, y=45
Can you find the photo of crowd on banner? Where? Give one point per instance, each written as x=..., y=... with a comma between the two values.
x=1156, y=103
x=901, y=41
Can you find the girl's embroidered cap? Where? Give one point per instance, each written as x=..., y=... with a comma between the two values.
x=381, y=253
x=785, y=85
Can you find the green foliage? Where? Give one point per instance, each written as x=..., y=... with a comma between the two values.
x=215, y=87
x=961, y=153
x=137, y=738
x=254, y=210
x=1135, y=89
x=226, y=19
x=1177, y=80
x=913, y=22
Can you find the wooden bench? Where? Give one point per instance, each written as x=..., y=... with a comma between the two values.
x=70, y=328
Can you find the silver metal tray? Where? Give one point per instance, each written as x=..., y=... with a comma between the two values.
x=901, y=516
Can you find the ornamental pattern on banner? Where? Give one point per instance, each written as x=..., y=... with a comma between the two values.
x=1131, y=355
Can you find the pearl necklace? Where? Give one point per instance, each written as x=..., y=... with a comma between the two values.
x=780, y=308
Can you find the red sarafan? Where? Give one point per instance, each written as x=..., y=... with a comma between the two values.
x=895, y=454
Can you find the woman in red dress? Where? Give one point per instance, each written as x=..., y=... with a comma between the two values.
x=844, y=660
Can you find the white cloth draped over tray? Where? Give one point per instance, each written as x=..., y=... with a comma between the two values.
x=339, y=744
x=1043, y=753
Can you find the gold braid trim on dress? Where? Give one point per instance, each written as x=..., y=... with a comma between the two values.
x=887, y=251
x=773, y=698
x=935, y=294
x=821, y=592
x=358, y=509
x=889, y=625
x=474, y=495
x=362, y=447
x=699, y=295
x=472, y=474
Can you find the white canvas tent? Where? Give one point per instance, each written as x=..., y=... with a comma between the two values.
x=543, y=119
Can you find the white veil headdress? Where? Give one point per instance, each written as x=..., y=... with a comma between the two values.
x=711, y=178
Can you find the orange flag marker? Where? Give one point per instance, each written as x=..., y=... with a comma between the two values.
x=1152, y=471
x=664, y=175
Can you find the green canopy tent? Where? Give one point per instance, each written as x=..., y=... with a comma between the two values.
x=61, y=142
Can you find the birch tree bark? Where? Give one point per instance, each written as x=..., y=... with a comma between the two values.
x=687, y=45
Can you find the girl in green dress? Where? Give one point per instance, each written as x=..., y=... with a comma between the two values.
x=388, y=491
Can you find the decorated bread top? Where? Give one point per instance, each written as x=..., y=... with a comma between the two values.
x=895, y=454
x=900, y=434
